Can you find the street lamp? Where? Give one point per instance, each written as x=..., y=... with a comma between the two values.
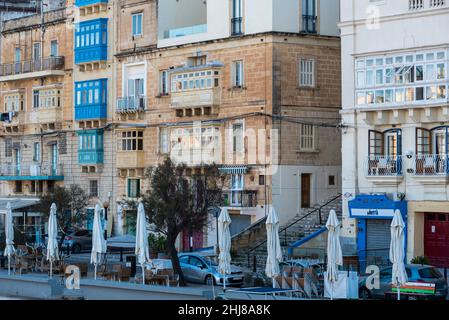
x=106, y=206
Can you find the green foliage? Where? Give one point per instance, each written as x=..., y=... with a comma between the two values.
x=420, y=260
x=157, y=243
x=71, y=205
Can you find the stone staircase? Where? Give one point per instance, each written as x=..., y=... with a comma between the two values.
x=248, y=248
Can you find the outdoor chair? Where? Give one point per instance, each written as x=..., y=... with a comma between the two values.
x=124, y=275
x=298, y=284
x=172, y=279
x=277, y=282
x=287, y=270
x=103, y=272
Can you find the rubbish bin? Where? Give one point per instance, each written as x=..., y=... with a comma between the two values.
x=131, y=262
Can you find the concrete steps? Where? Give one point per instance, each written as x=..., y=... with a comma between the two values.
x=251, y=237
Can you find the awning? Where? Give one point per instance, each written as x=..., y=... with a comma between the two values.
x=233, y=169
x=17, y=203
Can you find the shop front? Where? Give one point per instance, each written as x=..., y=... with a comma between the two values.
x=373, y=214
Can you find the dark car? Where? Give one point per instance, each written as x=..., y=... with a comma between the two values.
x=199, y=269
x=78, y=241
x=415, y=273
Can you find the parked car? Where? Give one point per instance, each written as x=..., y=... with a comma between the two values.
x=78, y=241
x=199, y=269
x=415, y=273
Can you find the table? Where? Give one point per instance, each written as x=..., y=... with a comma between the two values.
x=265, y=291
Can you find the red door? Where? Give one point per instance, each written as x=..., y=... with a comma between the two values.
x=436, y=239
x=197, y=239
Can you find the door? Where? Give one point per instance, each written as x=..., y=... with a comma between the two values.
x=37, y=56
x=54, y=48
x=130, y=219
x=17, y=159
x=196, y=242
x=136, y=92
x=199, y=269
x=239, y=223
x=305, y=190
x=436, y=239
x=54, y=159
x=378, y=238
x=17, y=60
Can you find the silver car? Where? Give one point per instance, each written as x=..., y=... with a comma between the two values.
x=199, y=269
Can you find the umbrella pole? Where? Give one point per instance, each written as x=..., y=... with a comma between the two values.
x=143, y=275
x=95, y=271
x=9, y=265
x=51, y=268
x=399, y=292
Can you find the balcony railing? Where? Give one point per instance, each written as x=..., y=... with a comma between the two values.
x=240, y=199
x=185, y=31
x=415, y=4
x=131, y=104
x=90, y=156
x=236, y=26
x=437, y=3
x=28, y=66
x=380, y=166
x=431, y=164
x=31, y=171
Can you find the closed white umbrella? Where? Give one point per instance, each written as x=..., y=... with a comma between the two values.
x=98, y=241
x=52, y=245
x=334, y=253
x=274, y=252
x=142, y=252
x=399, y=275
x=224, y=244
x=9, y=235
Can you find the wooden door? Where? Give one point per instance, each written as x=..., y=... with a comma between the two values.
x=305, y=190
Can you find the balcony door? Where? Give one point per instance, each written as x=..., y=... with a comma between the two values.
x=54, y=159
x=17, y=161
x=136, y=92
x=17, y=60
x=37, y=56
x=309, y=16
x=237, y=184
x=305, y=190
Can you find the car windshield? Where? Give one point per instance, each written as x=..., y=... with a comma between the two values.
x=429, y=273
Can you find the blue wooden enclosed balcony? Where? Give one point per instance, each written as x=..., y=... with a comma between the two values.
x=91, y=100
x=31, y=172
x=90, y=147
x=91, y=41
x=82, y=3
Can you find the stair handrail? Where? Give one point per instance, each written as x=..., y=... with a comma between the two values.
x=284, y=229
x=254, y=225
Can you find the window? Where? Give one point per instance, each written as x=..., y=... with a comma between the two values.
x=54, y=48
x=309, y=16
x=236, y=20
x=36, y=152
x=307, y=137
x=164, y=146
x=237, y=138
x=375, y=143
x=46, y=98
x=93, y=188
x=331, y=180
x=237, y=73
x=194, y=81
x=133, y=188
x=237, y=184
x=164, y=82
x=307, y=73
x=261, y=180
x=92, y=92
x=137, y=24
x=18, y=188
x=14, y=102
x=131, y=141
x=17, y=55
x=36, y=51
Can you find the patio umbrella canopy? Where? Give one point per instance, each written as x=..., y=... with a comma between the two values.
x=224, y=244
x=142, y=252
x=98, y=241
x=52, y=246
x=274, y=252
x=9, y=235
x=334, y=253
x=399, y=275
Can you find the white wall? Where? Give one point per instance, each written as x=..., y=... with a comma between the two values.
x=287, y=188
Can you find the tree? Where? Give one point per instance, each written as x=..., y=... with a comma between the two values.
x=176, y=202
x=71, y=206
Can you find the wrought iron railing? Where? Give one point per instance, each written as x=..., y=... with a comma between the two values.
x=431, y=164
x=309, y=23
x=27, y=66
x=131, y=104
x=380, y=166
x=31, y=169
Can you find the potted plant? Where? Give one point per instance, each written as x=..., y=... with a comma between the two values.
x=158, y=246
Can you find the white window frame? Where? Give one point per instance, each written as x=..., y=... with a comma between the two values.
x=237, y=186
x=164, y=140
x=164, y=82
x=306, y=72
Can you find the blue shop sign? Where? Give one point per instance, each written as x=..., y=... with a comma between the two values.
x=367, y=206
